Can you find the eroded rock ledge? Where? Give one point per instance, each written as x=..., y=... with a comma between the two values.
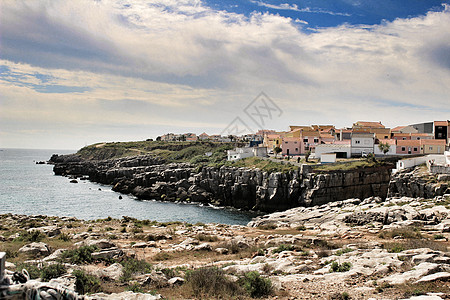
x=148, y=177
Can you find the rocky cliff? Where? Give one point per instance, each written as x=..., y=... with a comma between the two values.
x=418, y=183
x=148, y=177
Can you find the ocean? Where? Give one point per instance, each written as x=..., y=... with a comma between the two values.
x=32, y=189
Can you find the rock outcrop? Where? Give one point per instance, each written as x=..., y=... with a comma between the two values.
x=148, y=177
x=414, y=183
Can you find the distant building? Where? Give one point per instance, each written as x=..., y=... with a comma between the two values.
x=392, y=147
x=433, y=146
x=244, y=152
x=342, y=150
x=291, y=146
x=441, y=130
x=423, y=127
x=404, y=129
x=362, y=143
x=408, y=147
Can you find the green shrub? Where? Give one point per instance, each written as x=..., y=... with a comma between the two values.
x=135, y=288
x=52, y=271
x=255, y=285
x=283, y=247
x=86, y=283
x=206, y=237
x=211, y=282
x=343, y=251
x=344, y=267
x=64, y=237
x=80, y=255
x=133, y=266
x=32, y=270
x=406, y=233
x=30, y=236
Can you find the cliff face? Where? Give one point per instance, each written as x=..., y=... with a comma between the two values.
x=414, y=183
x=147, y=177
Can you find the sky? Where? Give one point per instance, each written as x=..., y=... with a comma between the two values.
x=74, y=73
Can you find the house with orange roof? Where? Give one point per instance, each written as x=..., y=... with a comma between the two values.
x=408, y=147
x=380, y=131
x=291, y=146
x=421, y=136
x=203, y=136
x=433, y=146
x=272, y=140
x=366, y=124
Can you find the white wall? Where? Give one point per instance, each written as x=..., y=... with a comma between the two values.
x=415, y=161
x=327, y=148
x=328, y=158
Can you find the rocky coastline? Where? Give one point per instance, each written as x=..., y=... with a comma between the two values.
x=397, y=248
x=149, y=177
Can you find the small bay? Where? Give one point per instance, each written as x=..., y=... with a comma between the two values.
x=32, y=189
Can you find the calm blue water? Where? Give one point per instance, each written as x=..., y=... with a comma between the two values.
x=28, y=188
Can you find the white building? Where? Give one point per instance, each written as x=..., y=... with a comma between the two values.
x=362, y=143
x=240, y=153
x=392, y=148
x=341, y=150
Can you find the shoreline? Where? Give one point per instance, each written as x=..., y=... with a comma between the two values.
x=306, y=253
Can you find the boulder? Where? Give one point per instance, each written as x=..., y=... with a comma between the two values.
x=35, y=249
x=113, y=272
x=49, y=231
x=107, y=253
x=176, y=281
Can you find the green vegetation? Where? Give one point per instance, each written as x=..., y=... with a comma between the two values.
x=263, y=164
x=255, y=285
x=343, y=251
x=80, y=255
x=52, y=271
x=170, y=151
x=211, y=282
x=283, y=247
x=350, y=165
x=86, y=283
x=30, y=236
x=192, y=152
x=406, y=233
x=133, y=266
x=337, y=267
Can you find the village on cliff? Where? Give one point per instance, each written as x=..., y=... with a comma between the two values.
x=327, y=143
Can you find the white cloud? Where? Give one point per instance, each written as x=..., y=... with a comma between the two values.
x=182, y=65
x=294, y=7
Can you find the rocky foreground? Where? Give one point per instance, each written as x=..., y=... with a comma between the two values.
x=351, y=249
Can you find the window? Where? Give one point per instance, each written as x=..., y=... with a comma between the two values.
x=357, y=142
x=403, y=149
x=385, y=136
x=296, y=149
x=305, y=140
x=415, y=149
x=316, y=140
x=430, y=148
x=285, y=142
x=439, y=135
x=403, y=138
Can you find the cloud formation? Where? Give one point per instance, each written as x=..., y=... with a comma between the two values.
x=147, y=67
